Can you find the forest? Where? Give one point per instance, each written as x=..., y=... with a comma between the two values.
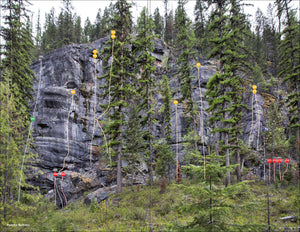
x=163, y=145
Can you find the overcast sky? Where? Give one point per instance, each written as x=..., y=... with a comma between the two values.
x=89, y=8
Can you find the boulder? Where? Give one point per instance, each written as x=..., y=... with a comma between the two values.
x=99, y=195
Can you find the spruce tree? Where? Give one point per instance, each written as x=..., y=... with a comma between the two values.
x=200, y=26
x=49, y=36
x=144, y=45
x=159, y=23
x=289, y=64
x=184, y=44
x=226, y=86
x=87, y=31
x=169, y=28
x=121, y=89
x=15, y=93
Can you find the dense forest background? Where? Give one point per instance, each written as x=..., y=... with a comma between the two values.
x=265, y=54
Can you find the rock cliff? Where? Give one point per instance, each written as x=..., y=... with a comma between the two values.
x=63, y=125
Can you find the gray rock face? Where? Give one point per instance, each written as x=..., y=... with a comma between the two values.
x=98, y=196
x=64, y=122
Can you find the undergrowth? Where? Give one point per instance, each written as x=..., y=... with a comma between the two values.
x=148, y=208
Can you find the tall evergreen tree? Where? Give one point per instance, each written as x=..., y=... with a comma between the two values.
x=50, y=32
x=77, y=30
x=145, y=64
x=169, y=28
x=121, y=89
x=200, y=26
x=226, y=86
x=184, y=43
x=290, y=67
x=87, y=31
x=159, y=23
x=15, y=92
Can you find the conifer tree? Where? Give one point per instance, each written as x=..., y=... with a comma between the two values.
x=121, y=89
x=200, y=26
x=133, y=138
x=165, y=157
x=289, y=49
x=226, y=86
x=214, y=210
x=169, y=28
x=159, y=23
x=184, y=43
x=87, y=31
x=15, y=92
x=77, y=30
x=145, y=64
x=50, y=32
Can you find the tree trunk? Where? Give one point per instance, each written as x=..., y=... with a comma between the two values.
x=227, y=160
x=119, y=167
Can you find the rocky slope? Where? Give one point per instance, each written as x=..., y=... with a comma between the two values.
x=63, y=125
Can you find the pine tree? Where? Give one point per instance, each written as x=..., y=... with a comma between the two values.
x=97, y=27
x=15, y=92
x=200, y=26
x=214, y=210
x=226, y=86
x=159, y=23
x=106, y=22
x=169, y=28
x=38, y=37
x=184, y=43
x=121, y=89
x=87, y=31
x=145, y=64
x=49, y=36
x=163, y=152
x=133, y=138
x=77, y=30
x=289, y=49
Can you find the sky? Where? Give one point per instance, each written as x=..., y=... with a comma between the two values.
x=89, y=8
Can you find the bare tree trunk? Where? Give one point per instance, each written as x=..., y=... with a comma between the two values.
x=227, y=161
x=119, y=167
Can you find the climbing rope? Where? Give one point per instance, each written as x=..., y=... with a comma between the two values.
x=251, y=122
x=68, y=142
x=95, y=104
x=54, y=174
x=113, y=32
x=61, y=185
x=258, y=116
x=202, y=122
x=30, y=127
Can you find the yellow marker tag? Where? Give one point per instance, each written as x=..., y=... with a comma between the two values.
x=72, y=91
x=113, y=32
x=198, y=65
x=254, y=87
x=175, y=102
x=95, y=51
x=95, y=56
x=113, y=36
x=254, y=91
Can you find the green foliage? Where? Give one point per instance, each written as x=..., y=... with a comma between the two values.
x=164, y=158
x=158, y=22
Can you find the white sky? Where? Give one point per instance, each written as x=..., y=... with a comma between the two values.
x=89, y=8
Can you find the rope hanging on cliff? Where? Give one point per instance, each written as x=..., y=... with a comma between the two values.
x=108, y=105
x=251, y=121
x=68, y=142
x=95, y=104
x=61, y=185
x=202, y=121
x=258, y=117
x=30, y=127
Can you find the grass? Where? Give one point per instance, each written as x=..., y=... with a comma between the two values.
x=139, y=211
